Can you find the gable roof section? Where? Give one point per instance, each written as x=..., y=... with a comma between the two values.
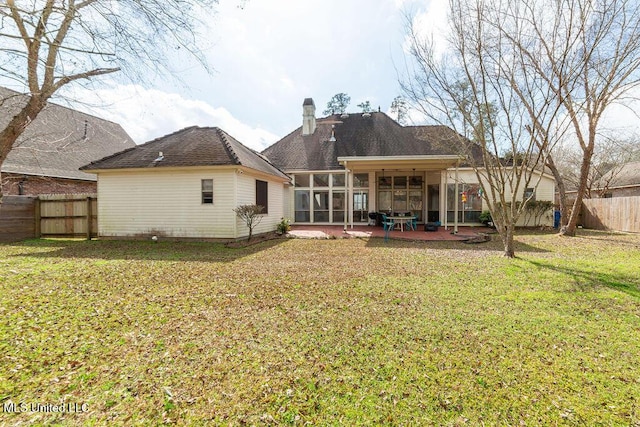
x=59, y=140
x=192, y=146
x=626, y=176
x=359, y=135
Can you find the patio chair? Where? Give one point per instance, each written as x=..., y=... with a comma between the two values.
x=387, y=225
x=413, y=223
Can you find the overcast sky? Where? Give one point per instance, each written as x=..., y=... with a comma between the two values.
x=267, y=57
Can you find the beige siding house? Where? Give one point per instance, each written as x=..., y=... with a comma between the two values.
x=186, y=185
x=349, y=168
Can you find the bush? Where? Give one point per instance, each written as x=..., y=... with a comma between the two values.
x=283, y=226
x=251, y=215
x=485, y=218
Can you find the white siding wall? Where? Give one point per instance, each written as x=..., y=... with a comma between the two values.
x=247, y=195
x=166, y=203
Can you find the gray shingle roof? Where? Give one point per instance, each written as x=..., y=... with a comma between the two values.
x=626, y=176
x=59, y=140
x=192, y=146
x=358, y=135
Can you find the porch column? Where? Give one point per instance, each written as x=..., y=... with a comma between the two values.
x=455, y=219
x=346, y=196
x=444, y=200
x=350, y=199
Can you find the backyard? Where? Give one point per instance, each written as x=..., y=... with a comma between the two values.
x=321, y=332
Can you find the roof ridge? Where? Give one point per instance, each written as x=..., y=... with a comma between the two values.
x=136, y=146
x=227, y=145
x=167, y=135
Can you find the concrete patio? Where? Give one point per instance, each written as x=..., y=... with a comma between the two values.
x=364, y=231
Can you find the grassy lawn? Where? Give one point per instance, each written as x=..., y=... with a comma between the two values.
x=323, y=332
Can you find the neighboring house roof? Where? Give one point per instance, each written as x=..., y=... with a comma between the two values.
x=59, y=140
x=192, y=146
x=375, y=134
x=626, y=176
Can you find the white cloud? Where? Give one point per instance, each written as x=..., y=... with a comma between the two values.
x=431, y=23
x=149, y=113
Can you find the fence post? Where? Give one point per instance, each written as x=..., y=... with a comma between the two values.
x=89, y=218
x=38, y=219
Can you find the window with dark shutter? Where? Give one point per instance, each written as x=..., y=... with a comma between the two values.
x=262, y=195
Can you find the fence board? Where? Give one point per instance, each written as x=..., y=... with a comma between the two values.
x=67, y=215
x=616, y=213
x=17, y=218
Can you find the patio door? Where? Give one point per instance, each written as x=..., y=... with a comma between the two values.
x=401, y=194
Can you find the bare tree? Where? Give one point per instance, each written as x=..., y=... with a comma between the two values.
x=471, y=90
x=587, y=53
x=609, y=157
x=47, y=44
x=400, y=109
x=365, y=106
x=251, y=215
x=337, y=104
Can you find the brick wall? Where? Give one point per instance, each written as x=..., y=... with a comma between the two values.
x=35, y=185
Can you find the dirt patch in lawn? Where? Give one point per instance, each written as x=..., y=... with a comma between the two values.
x=255, y=240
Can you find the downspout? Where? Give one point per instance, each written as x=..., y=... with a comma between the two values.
x=455, y=219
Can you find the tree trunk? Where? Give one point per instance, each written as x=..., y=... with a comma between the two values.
x=17, y=125
x=564, y=212
x=570, y=228
x=506, y=234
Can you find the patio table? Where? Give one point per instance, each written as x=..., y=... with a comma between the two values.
x=402, y=220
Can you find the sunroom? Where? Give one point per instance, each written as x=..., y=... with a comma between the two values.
x=421, y=186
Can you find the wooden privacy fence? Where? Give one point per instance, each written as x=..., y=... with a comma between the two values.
x=17, y=218
x=616, y=213
x=67, y=216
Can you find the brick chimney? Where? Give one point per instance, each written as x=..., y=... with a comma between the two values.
x=308, y=116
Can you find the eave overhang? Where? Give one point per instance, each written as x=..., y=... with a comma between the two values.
x=423, y=162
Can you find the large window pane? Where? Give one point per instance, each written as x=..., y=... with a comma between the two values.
x=433, y=205
x=338, y=179
x=302, y=211
x=385, y=201
x=400, y=200
x=415, y=182
x=302, y=180
x=361, y=206
x=384, y=182
x=320, y=206
x=338, y=206
x=320, y=179
x=399, y=182
x=469, y=202
x=361, y=180
x=415, y=203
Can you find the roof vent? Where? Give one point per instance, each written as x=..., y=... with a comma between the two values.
x=333, y=134
x=367, y=114
x=344, y=115
x=160, y=157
